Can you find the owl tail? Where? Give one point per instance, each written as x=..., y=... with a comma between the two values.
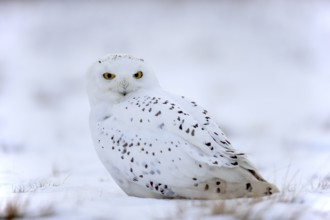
x=248, y=189
x=253, y=185
x=244, y=182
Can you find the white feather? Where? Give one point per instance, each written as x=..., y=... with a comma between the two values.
x=155, y=144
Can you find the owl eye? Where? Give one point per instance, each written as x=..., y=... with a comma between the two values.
x=138, y=75
x=108, y=76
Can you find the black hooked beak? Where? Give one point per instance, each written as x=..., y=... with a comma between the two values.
x=124, y=85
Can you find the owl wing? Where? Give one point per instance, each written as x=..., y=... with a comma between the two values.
x=208, y=142
x=166, y=115
x=194, y=124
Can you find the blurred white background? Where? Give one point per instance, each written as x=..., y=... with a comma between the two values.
x=262, y=68
x=256, y=65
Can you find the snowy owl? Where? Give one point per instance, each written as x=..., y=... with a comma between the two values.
x=155, y=144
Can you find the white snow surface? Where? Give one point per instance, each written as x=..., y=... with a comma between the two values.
x=261, y=68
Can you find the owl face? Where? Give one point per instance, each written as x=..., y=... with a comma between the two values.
x=117, y=76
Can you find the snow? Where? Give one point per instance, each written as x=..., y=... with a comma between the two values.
x=260, y=67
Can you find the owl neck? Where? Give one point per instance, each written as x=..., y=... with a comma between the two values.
x=97, y=97
x=100, y=110
x=102, y=103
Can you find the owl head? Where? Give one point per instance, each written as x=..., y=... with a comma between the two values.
x=116, y=76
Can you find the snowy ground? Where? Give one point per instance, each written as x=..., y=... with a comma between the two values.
x=261, y=67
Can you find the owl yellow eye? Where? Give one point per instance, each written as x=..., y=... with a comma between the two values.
x=108, y=76
x=138, y=75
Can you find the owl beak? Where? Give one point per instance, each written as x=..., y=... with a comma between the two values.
x=124, y=84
